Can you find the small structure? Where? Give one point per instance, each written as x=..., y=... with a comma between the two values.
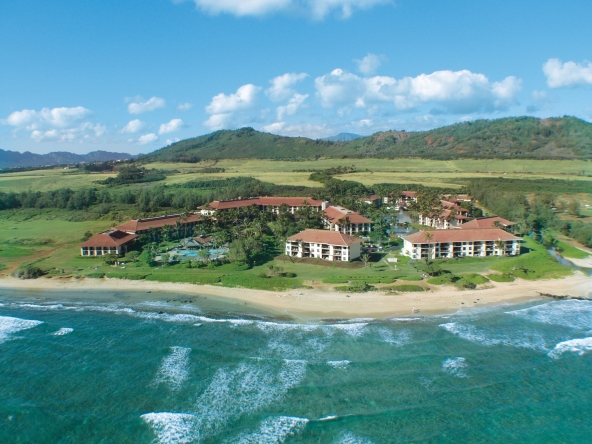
x=460, y=243
x=337, y=218
x=204, y=241
x=143, y=226
x=109, y=242
x=490, y=222
x=190, y=244
x=400, y=200
x=322, y=244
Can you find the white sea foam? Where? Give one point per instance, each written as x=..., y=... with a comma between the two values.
x=354, y=329
x=579, y=346
x=328, y=418
x=399, y=338
x=174, y=369
x=455, y=367
x=178, y=428
x=248, y=388
x=350, y=438
x=523, y=338
x=570, y=313
x=9, y=325
x=273, y=431
x=62, y=331
x=339, y=364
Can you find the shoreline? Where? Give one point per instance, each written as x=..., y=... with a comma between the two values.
x=324, y=303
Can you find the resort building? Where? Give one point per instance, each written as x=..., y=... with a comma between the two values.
x=346, y=221
x=460, y=243
x=401, y=200
x=374, y=199
x=109, y=242
x=143, y=226
x=266, y=203
x=322, y=244
x=450, y=216
x=490, y=222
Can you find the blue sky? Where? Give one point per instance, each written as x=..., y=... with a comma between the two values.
x=134, y=76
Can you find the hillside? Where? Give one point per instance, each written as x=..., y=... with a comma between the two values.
x=13, y=159
x=510, y=138
x=342, y=137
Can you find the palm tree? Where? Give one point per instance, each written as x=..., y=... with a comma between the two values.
x=365, y=258
x=500, y=245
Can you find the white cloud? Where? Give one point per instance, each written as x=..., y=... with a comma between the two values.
x=281, y=86
x=306, y=130
x=567, y=74
x=369, y=64
x=455, y=91
x=244, y=98
x=171, y=127
x=55, y=124
x=171, y=141
x=139, y=106
x=133, y=126
x=218, y=121
x=317, y=8
x=294, y=104
x=184, y=106
x=147, y=138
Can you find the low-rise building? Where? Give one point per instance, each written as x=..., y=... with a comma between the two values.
x=373, y=199
x=337, y=218
x=109, y=242
x=402, y=199
x=265, y=203
x=490, y=222
x=460, y=243
x=323, y=244
x=143, y=226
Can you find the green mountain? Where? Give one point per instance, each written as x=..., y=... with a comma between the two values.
x=13, y=159
x=513, y=138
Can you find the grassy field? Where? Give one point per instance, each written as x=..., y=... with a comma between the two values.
x=426, y=172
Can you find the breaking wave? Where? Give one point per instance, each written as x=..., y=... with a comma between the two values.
x=9, y=325
x=62, y=331
x=524, y=339
x=579, y=346
x=174, y=369
x=572, y=313
x=338, y=364
x=350, y=438
x=273, y=431
x=455, y=367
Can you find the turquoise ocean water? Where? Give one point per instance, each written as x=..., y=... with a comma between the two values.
x=104, y=369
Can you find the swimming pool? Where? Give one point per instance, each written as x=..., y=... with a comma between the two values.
x=215, y=253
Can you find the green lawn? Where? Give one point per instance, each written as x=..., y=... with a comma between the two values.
x=570, y=251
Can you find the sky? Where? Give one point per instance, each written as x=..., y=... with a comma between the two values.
x=137, y=75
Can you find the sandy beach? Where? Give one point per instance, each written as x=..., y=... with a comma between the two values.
x=327, y=303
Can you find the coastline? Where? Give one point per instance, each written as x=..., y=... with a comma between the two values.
x=328, y=303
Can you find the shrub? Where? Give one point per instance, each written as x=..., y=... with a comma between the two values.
x=336, y=280
x=28, y=272
x=128, y=276
x=186, y=278
x=411, y=278
x=358, y=287
x=443, y=279
x=475, y=278
x=465, y=284
x=95, y=275
x=501, y=277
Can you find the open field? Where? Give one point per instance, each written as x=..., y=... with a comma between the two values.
x=427, y=172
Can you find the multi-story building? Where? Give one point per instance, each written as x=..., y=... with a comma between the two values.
x=490, y=222
x=346, y=221
x=322, y=244
x=450, y=216
x=143, y=226
x=265, y=203
x=460, y=243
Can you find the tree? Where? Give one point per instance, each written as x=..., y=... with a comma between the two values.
x=237, y=252
x=430, y=267
x=110, y=259
x=204, y=255
x=574, y=209
x=164, y=258
x=365, y=258
x=86, y=236
x=131, y=256
x=500, y=245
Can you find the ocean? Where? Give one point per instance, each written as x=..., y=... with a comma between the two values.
x=109, y=368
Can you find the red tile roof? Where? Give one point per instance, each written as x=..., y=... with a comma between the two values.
x=488, y=222
x=336, y=214
x=263, y=201
x=464, y=235
x=138, y=225
x=325, y=237
x=113, y=238
x=409, y=193
x=203, y=240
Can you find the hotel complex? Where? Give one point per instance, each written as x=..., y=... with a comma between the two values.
x=322, y=244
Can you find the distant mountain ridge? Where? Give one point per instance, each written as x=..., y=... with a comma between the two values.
x=12, y=159
x=507, y=138
x=342, y=137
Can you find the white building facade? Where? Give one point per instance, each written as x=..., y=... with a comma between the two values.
x=326, y=245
